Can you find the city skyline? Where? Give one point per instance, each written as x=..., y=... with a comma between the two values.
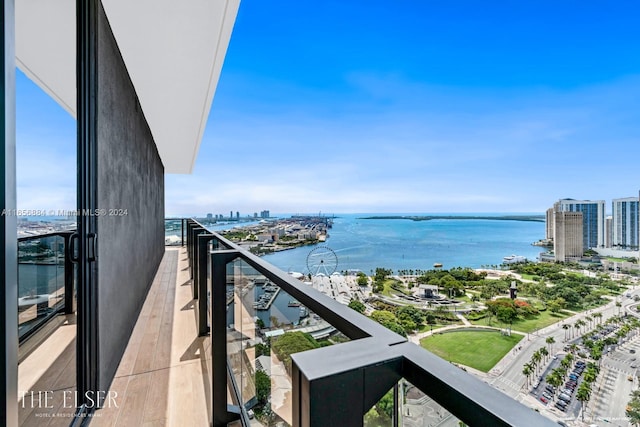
x=375, y=107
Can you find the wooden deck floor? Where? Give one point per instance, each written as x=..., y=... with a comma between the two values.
x=163, y=377
x=50, y=369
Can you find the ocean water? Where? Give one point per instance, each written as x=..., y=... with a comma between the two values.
x=365, y=244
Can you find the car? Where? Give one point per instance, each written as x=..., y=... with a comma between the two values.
x=567, y=391
x=561, y=402
x=633, y=365
x=632, y=351
x=562, y=408
x=546, y=395
x=551, y=388
x=555, y=356
x=544, y=400
x=565, y=397
x=632, y=359
x=536, y=385
x=573, y=377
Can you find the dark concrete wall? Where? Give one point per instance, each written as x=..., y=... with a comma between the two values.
x=131, y=177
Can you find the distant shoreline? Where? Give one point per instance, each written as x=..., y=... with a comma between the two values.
x=534, y=218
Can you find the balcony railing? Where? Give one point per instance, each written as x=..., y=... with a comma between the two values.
x=352, y=362
x=45, y=280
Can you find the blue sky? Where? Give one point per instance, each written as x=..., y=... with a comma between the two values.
x=400, y=106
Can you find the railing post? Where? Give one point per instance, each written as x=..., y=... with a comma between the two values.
x=341, y=387
x=69, y=291
x=193, y=265
x=396, y=406
x=200, y=283
x=218, y=322
x=182, y=225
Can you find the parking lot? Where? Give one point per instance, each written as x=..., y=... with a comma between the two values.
x=561, y=398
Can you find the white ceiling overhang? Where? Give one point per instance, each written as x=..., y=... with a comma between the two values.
x=173, y=51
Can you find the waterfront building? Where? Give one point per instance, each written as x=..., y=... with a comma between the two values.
x=625, y=223
x=593, y=213
x=549, y=224
x=608, y=231
x=567, y=239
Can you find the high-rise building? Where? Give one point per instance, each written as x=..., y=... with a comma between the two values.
x=593, y=213
x=625, y=222
x=608, y=232
x=549, y=224
x=567, y=239
x=209, y=216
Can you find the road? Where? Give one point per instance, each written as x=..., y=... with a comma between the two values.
x=507, y=374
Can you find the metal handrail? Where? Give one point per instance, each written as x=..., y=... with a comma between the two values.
x=67, y=307
x=363, y=369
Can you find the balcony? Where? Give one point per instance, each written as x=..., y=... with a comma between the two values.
x=208, y=349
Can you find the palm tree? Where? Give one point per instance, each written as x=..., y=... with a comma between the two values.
x=599, y=316
x=590, y=375
x=554, y=379
x=579, y=324
x=589, y=319
x=618, y=304
x=569, y=357
x=544, y=352
x=550, y=341
x=583, y=395
x=566, y=326
x=535, y=358
x=527, y=370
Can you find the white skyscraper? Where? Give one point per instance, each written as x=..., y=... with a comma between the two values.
x=625, y=222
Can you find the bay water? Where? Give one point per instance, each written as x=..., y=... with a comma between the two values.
x=366, y=244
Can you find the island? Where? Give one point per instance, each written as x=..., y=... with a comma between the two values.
x=536, y=218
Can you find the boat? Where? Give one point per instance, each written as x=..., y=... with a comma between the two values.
x=294, y=303
x=513, y=259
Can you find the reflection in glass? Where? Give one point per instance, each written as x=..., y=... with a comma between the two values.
x=173, y=232
x=265, y=325
x=41, y=280
x=418, y=409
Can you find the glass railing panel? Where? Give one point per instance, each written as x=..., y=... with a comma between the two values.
x=411, y=407
x=265, y=325
x=415, y=408
x=41, y=280
x=173, y=232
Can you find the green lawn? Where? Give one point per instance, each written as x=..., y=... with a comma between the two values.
x=545, y=318
x=478, y=349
